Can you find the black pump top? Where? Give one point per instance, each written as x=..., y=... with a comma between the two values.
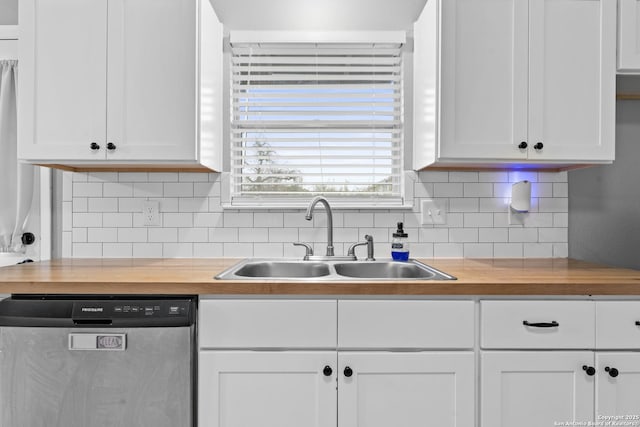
x=400, y=231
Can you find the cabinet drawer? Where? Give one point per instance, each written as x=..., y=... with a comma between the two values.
x=406, y=324
x=267, y=324
x=502, y=324
x=616, y=327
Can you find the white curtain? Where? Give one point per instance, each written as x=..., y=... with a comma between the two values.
x=16, y=179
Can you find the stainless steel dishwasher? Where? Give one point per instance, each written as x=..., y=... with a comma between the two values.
x=97, y=361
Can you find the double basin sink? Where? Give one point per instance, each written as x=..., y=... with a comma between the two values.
x=257, y=269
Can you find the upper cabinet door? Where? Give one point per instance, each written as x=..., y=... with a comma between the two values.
x=151, y=104
x=572, y=80
x=483, y=107
x=62, y=81
x=629, y=36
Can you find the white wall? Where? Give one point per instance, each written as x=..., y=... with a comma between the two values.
x=101, y=217
x=604, y=204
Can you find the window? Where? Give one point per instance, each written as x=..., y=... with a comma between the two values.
x=313, y=119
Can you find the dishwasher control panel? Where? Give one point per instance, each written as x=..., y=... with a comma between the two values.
x=129, y=310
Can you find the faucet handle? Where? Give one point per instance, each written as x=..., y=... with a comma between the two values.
x=309, y=249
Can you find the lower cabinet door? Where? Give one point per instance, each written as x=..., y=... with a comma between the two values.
x=267, y=389
x=422, y=389
x=536, y=389
x=618, y=388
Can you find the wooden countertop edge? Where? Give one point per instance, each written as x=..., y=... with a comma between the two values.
x=195, y=276
x=317, y=289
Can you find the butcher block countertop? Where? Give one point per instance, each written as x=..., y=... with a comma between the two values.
x=195, y=276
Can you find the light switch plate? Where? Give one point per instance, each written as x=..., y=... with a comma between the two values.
x=434, y=212
x=151, y=213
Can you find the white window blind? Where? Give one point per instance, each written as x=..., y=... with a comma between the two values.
x=316, y=119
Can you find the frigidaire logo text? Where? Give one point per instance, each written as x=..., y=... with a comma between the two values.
x=93, y=309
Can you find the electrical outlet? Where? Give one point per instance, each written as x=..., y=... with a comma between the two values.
x=150, y=213
x=434, y=212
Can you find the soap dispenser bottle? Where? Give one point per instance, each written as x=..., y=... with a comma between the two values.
x=399, y=245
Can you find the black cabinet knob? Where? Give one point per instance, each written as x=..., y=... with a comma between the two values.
x=111, y=146
x=538, y=145
x=523, y=145
x=28, y=238
x=94, y=146
x=348, y=372
x=327, y=371
x=613, y=372
x=590, y=370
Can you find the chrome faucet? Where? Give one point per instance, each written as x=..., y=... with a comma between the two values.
x=369, y=242
x=309, y=216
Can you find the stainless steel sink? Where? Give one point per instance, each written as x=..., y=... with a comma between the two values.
x=384, y=270
x=297, y=270
x=270, y=269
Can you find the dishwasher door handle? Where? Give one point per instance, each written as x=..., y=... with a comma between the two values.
x=97, y=341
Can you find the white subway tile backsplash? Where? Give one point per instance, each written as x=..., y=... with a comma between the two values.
x=87, y=250
x=162, y=235
x=238, y=250
x=177, y=250
x=147, y=189
x=102, y=204
x=132, y=235
x=448, y=190
x=268, y=250
x=172, y=219
x=208, y=250
x=87, y=189
x=478, y=189
x=507, y=250
x=102, y=216
x=80, y=204
x=102, y=235
x=464, y=204
x=538, y=250
x=478, y=250
x=253, y=235
x=147, y=250
x=133, y=177
x=463, y=235
x=268, y=219
x=117, y=189
x=178, y=189
x=81, y=219
x=211, y=219
x=463, y=176
x=117, y=219
x=193, y=204
x=448, y=250
x=193, y=235
x=523, y=235
x=117, y=250
x=480, y=219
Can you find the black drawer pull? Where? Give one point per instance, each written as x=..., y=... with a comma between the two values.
x=637, y=322
x=552, y=324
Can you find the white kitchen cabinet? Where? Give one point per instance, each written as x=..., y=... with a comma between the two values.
x=617, y=385
x=533, y=389
x=117, y=82
x=406, y=389
x=267, y=389
x=315, y=379
x=629, y=36
x=514, y=82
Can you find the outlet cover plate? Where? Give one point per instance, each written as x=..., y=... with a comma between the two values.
x=151, y=213
x=434, y=212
